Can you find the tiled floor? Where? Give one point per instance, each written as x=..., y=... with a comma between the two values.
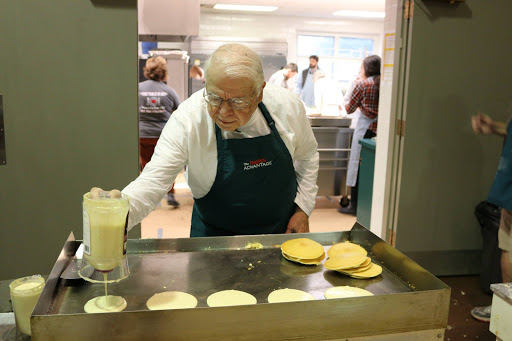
x=169, y=222
x=466, y=294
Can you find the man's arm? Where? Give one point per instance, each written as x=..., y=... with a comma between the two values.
x=483, y=124
x=355, y=99
x=299, y=222
x=299, y=84
x=156, y=179
x=273, y=78
x=306, y=169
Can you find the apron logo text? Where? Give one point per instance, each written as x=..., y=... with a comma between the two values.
x=257, y=164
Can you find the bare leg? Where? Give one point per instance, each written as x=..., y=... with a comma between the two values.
x=505, y=244
x=506, y=266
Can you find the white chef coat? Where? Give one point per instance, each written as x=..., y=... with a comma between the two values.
x=279, y=79
x=189, y=139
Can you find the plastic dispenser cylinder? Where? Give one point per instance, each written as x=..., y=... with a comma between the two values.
x=105, y=223
x=24, y=295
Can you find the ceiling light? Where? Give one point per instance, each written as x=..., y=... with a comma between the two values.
x=246, y=8
x=360, y=14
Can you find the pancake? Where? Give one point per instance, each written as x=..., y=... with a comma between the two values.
x=355, y=270
x=227, y=298
x=303, y=248
x=363, y=267
x=346, y=260
x=316, y=261
x=345, y=247
x=105, y=304
x=373, y=271
x=289, y=295
x=368, y=261
x=345, y=292
x=171, y=300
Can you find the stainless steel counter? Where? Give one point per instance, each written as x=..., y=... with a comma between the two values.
x=407, y=298
x=329, y=121
x=334, y=138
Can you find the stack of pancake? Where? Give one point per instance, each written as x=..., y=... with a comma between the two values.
x=303, y=251
x=351, y=259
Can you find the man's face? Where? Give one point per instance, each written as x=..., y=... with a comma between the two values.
x=224, y=115
x=290, y=74
x=361, y=72
x=312, y=63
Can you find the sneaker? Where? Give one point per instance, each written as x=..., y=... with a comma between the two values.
x=482, y=313
x=171, y=201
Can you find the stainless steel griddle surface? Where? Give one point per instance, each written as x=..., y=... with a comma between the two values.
x=202, y=273
x=202, y=266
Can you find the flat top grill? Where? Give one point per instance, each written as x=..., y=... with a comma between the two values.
x=202, y=266
x=201, y=274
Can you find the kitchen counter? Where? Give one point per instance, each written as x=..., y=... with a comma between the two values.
x=329, y=121
x=334, y=138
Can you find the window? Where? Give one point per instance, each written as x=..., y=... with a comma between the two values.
x=315, y=45
x=340, y=55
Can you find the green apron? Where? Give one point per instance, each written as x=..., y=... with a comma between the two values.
x=254, y=189
x=501, y=190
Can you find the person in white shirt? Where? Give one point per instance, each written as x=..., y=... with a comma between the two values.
x=328, y=95
x=283, y=77
x=250, y=152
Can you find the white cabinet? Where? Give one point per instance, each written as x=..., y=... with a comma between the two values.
x=168, y=20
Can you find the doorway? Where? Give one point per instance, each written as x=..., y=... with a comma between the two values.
x=254, y=29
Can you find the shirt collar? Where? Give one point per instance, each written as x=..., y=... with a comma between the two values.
x=254, y=117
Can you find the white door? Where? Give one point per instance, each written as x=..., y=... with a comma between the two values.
x=453, y=63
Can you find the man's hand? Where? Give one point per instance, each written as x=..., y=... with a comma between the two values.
x=299, y=222
x=483, y=124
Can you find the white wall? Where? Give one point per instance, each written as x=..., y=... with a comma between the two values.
x=283, y=28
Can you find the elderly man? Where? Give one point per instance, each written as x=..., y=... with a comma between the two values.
x=251, y=156
x=283, y=77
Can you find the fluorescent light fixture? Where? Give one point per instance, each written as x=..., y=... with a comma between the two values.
x=360, y=14
x=246, y=8
x=329, y=23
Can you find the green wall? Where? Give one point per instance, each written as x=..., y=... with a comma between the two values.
x=458, y=65
x=68, y=76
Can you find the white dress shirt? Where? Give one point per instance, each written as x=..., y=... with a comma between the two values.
x=189, y=139
x=279, y=79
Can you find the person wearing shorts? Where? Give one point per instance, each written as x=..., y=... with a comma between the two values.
x=500, y=195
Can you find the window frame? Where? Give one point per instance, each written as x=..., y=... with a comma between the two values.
x=336, y=35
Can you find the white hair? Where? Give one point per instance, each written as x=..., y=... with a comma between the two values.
x=236, y=61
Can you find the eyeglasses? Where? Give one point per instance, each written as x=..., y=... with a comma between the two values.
x=234, y=103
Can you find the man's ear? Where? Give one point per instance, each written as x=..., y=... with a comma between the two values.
x=261, y=94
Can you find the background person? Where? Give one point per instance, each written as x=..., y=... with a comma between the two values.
x=328, y=95
x=282, y=77
x=365, y=96
x=500, y=195
x=305, y=86
x=346, y=100
x=157, y=102
x=196, y=72
x=251, y=155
